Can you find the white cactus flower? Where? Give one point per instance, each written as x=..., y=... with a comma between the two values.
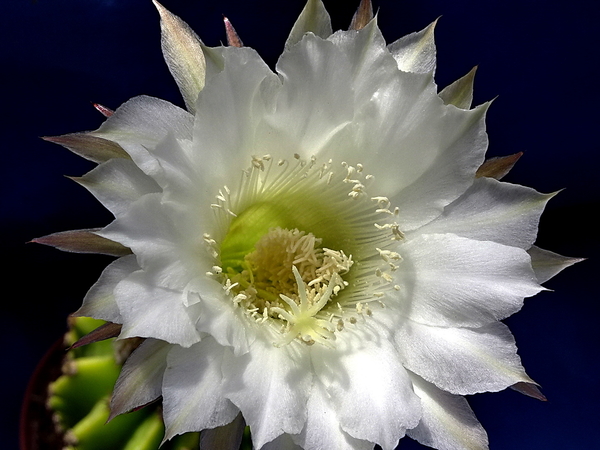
x=310, y=250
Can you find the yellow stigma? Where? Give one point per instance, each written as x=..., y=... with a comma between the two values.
x=302, y=320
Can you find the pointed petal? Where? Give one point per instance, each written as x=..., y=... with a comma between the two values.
x=117, y=183
x=182, y=50
x=446, y=170
x=415, y=52
x=228, y=328
x=296, y=122
x=214, y=60
x=89, y=147
x=448, y=280
x=180, y=179
x=313, y=19
x=140, y=124
x=279, y=379
x=462, y=360
x=227, y=118
x=166, y=239
x=227, y=437
x=141, y=377
x=106, y=112
x=99, y=302
x=529, y=389
x=365, y=374
x=460, y=93
x=344, y=72
x=103, y=332
x=192, y=389
x=322, y=429
x=499, y=167
x=150, y=311
x=362, y=16
x=546, y=264
x=448, y=423
x=489, y=210
x=83, y=241
x=233, y=39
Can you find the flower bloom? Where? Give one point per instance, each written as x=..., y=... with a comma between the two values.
x=310, y=251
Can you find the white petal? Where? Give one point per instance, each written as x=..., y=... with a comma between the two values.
x=462, y=360
x=313, y=19
x=448, y=422
x=228, y=110
x=344, y=72
x=219, y=318
x=140, y=381
x=371, y=65
x=150, y=311
x=141, y=124
x=117, y=183
x=214, y=60
x=296, y=122
x=369, y=387
x=99, y=302
x=166, y=239
x=183, y=53
x=183, y=181
x=435, y=169
x=460, y=92
x=505, y=213
x=192, y=389
x=415, y=52
x=322, y=430
x=546, y=264
x=448, y=280
x=270, y=386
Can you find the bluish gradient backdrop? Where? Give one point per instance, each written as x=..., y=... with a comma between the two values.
x=540, y=58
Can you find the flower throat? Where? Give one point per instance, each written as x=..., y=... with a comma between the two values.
x=303, y=269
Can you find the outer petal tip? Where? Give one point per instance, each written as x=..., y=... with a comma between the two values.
x=416, y=51
x=529, y=389
x=362, y=16
x=106, y=112
x=233, y=39
x=314, y=18
x=460, y=93
x=498, y=167
x=83, y=241
x=547, y=264
x=183, y=54
x=103, y=332
x=90, y=147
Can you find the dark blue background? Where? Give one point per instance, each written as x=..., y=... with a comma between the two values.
x=539, y=57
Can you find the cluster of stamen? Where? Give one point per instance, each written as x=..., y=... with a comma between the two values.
x=289, y=277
